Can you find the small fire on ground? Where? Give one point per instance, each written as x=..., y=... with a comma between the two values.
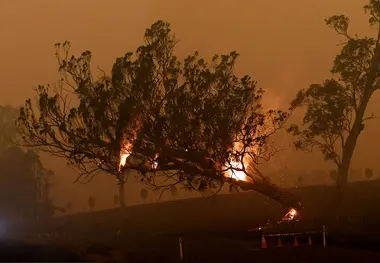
x=289, y=216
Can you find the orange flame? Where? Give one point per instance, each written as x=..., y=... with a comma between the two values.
x=125, y=152
x=127, y=146
x=290, y=215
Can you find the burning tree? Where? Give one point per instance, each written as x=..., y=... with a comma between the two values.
x=193, y=123
x=336, y=109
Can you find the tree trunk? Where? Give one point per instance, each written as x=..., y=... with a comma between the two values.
x=349, y=147
x=350, y=144
x=120, y=186
x=270, y=190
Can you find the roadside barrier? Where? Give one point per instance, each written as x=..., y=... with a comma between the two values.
x=263, y=242
x=296, y=237
x=180, y=242
x=295, y=242
x=279, y=242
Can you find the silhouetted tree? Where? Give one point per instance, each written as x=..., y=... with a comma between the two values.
x=91, y=202
x=335, y=110
x=116, y=199
x=174, y=191
x=69, y=206
x=368, y=173
x=177, y=121
x=8, y=130
x=300, y=180
x=144, y=194
x=24, y=181
x=334, y=175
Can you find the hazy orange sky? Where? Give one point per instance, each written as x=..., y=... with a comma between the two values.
x=285, y=45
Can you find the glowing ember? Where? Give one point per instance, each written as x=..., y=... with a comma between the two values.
x=290, y=215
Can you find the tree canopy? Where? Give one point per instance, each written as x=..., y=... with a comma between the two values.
x=189, y=122
x=335, y=109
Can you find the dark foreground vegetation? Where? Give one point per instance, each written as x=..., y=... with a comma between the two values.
x=197, y=250
x=215, y=229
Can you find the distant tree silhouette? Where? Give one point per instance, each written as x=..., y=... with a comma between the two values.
x=8, y=130
x=368, y=173
x=144, y=194
x=336, y=110
x=69, y=206
x=177, y=122
x=174, y=191
x=24, y=182
x=91, y=202
x=116, y=199
x=300, y=180
x=334, y=175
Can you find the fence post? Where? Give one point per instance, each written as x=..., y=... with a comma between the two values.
x=180, y=249
x=324, y=236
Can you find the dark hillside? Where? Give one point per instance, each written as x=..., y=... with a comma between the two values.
x=233, y=211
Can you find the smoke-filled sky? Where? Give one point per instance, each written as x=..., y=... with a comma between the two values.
x=285, y=45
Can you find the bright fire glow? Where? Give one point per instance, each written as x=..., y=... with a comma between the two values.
x=155, y=163
x=238, y=175
x=290, y=215
x=233, y=164
x=127, y=145
x=125, y=152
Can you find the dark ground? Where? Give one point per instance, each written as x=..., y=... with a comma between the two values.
x=215, y=229
x=206, y=249
x=234, y=250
